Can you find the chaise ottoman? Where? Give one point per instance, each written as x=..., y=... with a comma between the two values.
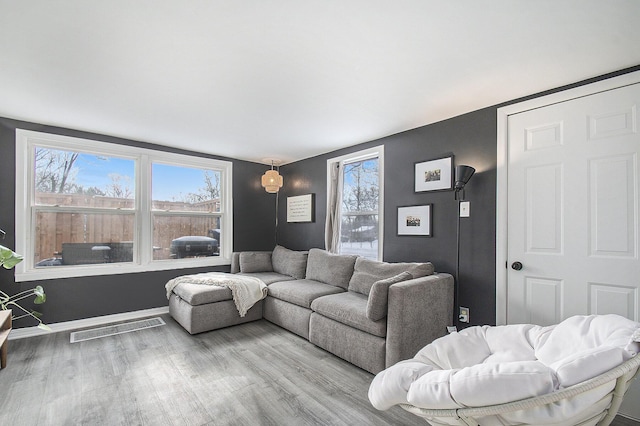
x=200, y=308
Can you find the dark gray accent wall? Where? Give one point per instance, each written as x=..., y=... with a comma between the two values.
x=77, y=298
x=471, y=138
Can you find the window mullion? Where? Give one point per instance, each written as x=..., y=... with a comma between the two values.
x=143, y=220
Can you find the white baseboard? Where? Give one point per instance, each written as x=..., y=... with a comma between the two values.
x=21, y=333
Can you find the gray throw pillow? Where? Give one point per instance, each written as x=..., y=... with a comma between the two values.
x=255, y=261
x=289, y=262
x=329, y=268
x=379, y=295
x=366, y=272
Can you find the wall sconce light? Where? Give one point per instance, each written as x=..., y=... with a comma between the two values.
x=272, y=181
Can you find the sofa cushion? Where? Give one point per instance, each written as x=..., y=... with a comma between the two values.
x=329, y=268
x=301, y=292
x=197, y=294
x=289, y=262
x=255, y=261
x=269, y=277
x=349, y=308
x=366, y=272
x=377, y=301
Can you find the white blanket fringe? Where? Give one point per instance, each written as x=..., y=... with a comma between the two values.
x=246, y=291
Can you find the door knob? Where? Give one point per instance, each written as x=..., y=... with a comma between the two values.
x=516, y=266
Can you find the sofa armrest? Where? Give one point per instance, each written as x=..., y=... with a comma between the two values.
x=419, y=312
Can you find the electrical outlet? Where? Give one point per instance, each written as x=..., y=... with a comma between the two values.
x=464, y=314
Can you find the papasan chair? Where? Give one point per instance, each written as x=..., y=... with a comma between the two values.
x=572, y=373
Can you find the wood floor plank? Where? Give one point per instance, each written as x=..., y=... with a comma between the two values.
x=250, y=374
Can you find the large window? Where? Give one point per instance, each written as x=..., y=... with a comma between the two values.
x=355, y=183
x=91, y=208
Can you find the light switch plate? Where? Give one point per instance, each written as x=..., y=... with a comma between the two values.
x=465, y=208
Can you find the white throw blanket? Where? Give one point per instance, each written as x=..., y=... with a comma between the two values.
x=246, y=291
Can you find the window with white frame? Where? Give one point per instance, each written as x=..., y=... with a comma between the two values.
x=91, y=208
x=355, y=203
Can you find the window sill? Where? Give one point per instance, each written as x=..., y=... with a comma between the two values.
x=55, y=272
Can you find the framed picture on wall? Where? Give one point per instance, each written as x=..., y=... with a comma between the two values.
x=301, y=209
x=415, y=220
x=434, y=175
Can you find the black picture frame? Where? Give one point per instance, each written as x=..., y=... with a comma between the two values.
x=434, y=175
x=415, y=220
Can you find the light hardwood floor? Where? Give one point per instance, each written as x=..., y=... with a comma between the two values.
x=250, y=374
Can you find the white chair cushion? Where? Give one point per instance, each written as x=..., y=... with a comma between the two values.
x=581, y=333
x=482, y=366
x=392, y=384
x=512, y=343
x=456, y=350
x=581, y=366
x=488, y=384
x=433, y=389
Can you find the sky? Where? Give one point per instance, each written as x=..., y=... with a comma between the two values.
x=169, y=182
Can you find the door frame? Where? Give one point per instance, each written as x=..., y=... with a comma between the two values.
x=502, y=170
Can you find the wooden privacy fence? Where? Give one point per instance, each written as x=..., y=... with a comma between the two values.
x=54, y=230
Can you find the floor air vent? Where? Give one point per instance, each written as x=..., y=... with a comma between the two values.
x=111, y=330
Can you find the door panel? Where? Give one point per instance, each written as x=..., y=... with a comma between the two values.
x=613, y=123
x=544, y=300
x=611, y=208
x=544, y=209
x=613, y=299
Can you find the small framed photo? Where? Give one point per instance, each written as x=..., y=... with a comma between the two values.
x=434, y=175
x=415, y=220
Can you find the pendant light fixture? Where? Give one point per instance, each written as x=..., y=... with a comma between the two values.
x=271, y=180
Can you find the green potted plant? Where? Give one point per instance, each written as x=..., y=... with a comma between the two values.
x=9, y=259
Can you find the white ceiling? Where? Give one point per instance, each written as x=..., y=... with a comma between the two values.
x=290, y=79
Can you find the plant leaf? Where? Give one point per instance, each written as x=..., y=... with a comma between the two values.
x=44, y=326
x=8, y=258
x=40, y=296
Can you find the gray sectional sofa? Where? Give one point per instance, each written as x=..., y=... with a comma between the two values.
x=372, y=314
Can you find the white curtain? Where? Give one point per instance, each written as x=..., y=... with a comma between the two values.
x=332, y=224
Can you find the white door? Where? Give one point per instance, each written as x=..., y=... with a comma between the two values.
x=573, y=209
x=573, y=191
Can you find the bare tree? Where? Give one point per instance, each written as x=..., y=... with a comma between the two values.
x=91, y=191
x=360, y=191
x=212, y=184
x=210, y=191
x=360, y=201
x=55, y=171
x=120, y=186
